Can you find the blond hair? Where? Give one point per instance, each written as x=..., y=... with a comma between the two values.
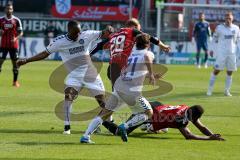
x=133, y=22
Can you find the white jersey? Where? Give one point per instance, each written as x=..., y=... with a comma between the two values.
x=133, y=76
x=74, y=54
x=227, y=39
x=136, y=63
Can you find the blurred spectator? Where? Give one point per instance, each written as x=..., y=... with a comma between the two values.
x=50, y=32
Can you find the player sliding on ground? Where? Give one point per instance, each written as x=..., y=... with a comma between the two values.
x=128, y=88
x=168, y=116
x=74, y=50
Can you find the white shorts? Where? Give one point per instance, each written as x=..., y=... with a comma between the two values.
x=229, y=61
x=95, y=86
x=137, y=104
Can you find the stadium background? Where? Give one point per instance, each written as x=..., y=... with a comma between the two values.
x=176, y=22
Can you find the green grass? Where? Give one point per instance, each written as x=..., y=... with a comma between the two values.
x=29, y=128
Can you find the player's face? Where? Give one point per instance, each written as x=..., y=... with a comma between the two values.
x=74, y=32
x=9, y=10
x=228, y=19
x=201, y=17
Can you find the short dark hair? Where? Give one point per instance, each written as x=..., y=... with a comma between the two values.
x=142, y=41
x=9, y=4
x=195, y=112
x=72, y=23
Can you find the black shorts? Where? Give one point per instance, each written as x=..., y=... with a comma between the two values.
x=113, y=72
x=13, y=52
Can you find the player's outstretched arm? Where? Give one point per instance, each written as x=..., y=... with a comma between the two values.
x=99, y=46
x=202, y=128
x=190, y=136
x=37, y=57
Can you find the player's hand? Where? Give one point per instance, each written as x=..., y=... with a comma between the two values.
x=21, y=62
x=14, y=39
x=152, y=79
x=211, y=53
x=166, y=48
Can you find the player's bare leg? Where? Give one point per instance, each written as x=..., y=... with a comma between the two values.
x=228, y=83
x=70, y=95
x=212, y=81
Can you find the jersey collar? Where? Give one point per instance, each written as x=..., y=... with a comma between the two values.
x=66, y=35
x=8, y=18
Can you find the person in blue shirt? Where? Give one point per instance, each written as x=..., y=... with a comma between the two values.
x=201, y=32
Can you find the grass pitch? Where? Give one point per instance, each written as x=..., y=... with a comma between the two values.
x=29, y=128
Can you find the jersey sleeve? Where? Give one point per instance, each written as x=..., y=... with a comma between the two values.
x=98, y=47
x=53, y=47
x=93, y=35
x=150, y=55
x=216, y=34
x=136, y=32
x=1, y=27
x=195, y=30
x=19, y=24
x=238, y=35
x=209, y=32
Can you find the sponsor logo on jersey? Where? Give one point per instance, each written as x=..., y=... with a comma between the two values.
x=8, y=26
x=76, y=50
x=228, y=36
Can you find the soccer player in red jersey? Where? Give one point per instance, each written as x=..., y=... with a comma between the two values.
x=11, y=31
x=178, y=117
x=121, y=44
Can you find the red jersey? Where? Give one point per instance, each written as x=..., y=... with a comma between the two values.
x=121, y=44
x=10, y=28
x=167, y=116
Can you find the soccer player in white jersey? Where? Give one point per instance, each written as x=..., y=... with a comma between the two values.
x=74, y=50
x=128, y=89
x=227, y=36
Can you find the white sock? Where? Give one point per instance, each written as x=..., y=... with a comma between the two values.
x=212, y=81
x=228, y=83
x=95, y=123
x=136, y=120
x=67, y=111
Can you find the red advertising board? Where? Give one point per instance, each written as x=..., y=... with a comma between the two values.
x=96, y=13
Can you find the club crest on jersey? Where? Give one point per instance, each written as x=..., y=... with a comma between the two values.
x=233, y=31
x=81, y=41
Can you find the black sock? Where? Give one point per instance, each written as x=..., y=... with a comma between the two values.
x=67, y=127
x=112, y=127
x=15, y=75
x=206, y=58
x=197, y=57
